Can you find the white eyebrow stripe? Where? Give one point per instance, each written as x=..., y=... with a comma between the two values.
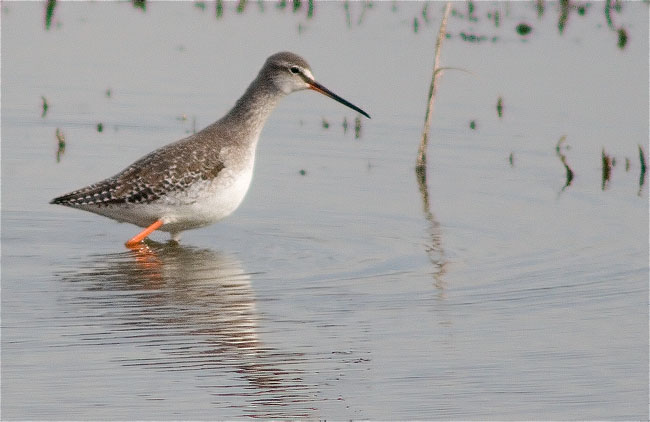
x=307, y=73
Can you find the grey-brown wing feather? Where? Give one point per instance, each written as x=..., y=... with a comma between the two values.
x=171, y=168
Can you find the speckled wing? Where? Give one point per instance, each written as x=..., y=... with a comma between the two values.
x=172, y=168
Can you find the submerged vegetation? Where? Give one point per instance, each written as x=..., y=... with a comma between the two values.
x=49, y=13
x=606, y=169
x=45, y=106
x=500, y=107
x=642, y=174
x=622, y=38
x=219, y=9
x=357, y=127
x=60, y=144
x=469, y=12
x=140, y=4
x=607, y=163
x=559, y=151
x=524, y=29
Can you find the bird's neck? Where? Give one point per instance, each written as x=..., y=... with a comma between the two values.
x=250, y=112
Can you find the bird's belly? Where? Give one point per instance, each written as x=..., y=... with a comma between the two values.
x=205, y=202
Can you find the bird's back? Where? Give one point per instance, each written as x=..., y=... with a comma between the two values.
x=169, y=169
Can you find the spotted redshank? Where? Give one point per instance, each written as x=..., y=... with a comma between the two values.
x=203, y=178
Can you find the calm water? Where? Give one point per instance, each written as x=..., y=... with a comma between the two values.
x=334, y=294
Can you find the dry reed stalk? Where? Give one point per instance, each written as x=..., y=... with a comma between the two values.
x=422, y=151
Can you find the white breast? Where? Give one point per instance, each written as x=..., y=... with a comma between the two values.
x=206, y=202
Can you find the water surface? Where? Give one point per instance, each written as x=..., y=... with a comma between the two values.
x=335, y=294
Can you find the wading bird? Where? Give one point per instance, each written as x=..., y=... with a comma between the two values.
x=203, y=178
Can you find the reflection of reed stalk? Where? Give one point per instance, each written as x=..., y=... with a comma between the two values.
x=422, y=152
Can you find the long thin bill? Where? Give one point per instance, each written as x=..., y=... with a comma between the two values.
x=320, y=88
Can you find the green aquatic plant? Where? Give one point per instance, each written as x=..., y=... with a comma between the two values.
x=610, y=5
x=366, y=5
x=425, y=12
x=643, y=169
x=241, y=6
x=60, y=144
x=348, y=17
x=564, y=15
x=219, y=9
x=562, y=156
x=500, y=107
x=470, y=11
x=472, y=37
x=606, y=169
x=140, y=4
x=357, y=127
x=49, y=13
x=45, y=106
x=539, y=5
x=524, y=29
x=642, y=159
x=495, y=17
x=622, y=38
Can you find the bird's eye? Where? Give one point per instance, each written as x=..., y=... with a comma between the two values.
x=294, y=69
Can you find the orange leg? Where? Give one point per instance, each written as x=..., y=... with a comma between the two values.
x=144, y=233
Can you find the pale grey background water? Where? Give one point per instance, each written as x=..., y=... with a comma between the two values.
x=331, y=295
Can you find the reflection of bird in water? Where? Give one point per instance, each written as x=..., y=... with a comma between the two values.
x=198, y=308
x=203, y=178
